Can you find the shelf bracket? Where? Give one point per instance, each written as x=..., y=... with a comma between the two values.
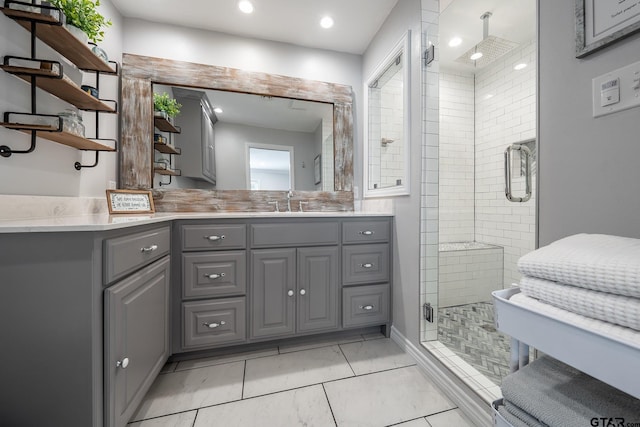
x=79, y=165
x=6, y=151
x=165, y=183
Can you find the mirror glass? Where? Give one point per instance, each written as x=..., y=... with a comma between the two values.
x=387, y=129
x=239, y=141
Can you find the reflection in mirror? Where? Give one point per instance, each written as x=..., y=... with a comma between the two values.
x=387, y=132
x=270, y=167
x=219, y=126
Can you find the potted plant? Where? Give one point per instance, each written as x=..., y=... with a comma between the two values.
x=165, y=106
x=84, y=15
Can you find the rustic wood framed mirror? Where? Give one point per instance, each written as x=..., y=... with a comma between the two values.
x=140, y=73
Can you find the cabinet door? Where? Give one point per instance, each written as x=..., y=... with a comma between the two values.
x=318, y=301
x=136, y=338
x=273, y=292
x=208, y=148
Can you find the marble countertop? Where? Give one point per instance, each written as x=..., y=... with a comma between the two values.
x=103, y=222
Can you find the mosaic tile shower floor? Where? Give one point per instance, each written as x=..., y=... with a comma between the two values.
x=469, y=331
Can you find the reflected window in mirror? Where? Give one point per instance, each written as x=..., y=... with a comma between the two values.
x=387, y=126
x=217, y=126
x=270, y=167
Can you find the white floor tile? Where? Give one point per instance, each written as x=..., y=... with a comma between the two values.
x=218, y=360
x=306, y=406
x=453, y=418
x=317, y=343
x=182, y=391
x=377, y=355
x=420, y=422
x=184, y=419
x=385, y=398
x=292, y=370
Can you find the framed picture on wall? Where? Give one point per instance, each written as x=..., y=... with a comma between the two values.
x=317, y=175
x=600, y=23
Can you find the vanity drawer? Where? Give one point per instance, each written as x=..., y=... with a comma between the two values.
x=365, y=231
x=214, y=274
x=294, y=234
x=208, y=323
x=365, y=305
x=211, y=237
x=365, y=263
x=126, y=254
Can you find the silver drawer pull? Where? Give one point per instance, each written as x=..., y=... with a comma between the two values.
x=366, y=265
x=290, y=293
x=149, y=249
x=214, y=325
x=214, y=275
x=215, y=238
x=366, y=232
x=366, y=307
x=122, y=363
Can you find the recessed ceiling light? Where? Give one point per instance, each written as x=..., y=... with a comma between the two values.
x=217, y=110
x=326, y=22
x=475, y=56
x=455, y=42
x=520, y=66
x=488, y=96
x=245, y=6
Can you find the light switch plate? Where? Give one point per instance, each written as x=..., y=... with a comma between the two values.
x=617, y=90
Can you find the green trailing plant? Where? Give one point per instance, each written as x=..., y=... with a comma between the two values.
x=163, y=102
x=84, y=15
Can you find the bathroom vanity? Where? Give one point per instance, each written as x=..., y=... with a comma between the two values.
x=92, y=309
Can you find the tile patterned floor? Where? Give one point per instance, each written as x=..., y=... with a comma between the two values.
x=360, y=381
x=468, y=330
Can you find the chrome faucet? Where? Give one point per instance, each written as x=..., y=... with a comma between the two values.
x=289, y=196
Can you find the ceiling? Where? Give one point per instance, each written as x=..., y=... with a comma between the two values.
x=513, y=20
x=288, y=21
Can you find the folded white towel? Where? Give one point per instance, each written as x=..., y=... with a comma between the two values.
x=618, y=309
x=593, y=261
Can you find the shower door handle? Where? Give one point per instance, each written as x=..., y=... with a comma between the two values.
x=507, y=172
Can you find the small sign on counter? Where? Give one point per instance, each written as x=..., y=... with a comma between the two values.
x=130, y=201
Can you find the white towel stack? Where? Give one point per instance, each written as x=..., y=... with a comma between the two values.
x=593, y=275
x=588, y=280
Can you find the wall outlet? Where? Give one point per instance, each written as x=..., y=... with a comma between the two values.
x=111, y=185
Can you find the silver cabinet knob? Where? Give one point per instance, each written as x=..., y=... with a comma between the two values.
x=214, y=275
x=290, y=293
x=366, y=232
x=302, y=292
x=215, y=238
x=214, y=325
x=149, y=249
x=367, y=307
x=366, y=265
x=122, y=363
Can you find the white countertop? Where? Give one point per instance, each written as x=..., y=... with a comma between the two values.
x=103, y=222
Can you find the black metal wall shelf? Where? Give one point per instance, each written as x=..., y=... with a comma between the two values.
x=45, y=23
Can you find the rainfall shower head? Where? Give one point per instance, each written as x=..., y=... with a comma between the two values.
x=491, y=47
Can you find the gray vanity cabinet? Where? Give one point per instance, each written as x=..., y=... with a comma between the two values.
x=294, y=291
x=273, y=292
x=72, y=308
x=136, y=338
x=366, y=273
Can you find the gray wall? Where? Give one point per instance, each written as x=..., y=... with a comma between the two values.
x=231, y=161
x=406, y=264
x=589, y=178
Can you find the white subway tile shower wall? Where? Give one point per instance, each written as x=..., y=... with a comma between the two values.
x=429, y=187
x=456, y=158
x=508, y=116
x=391, y=154
x=468, y=275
